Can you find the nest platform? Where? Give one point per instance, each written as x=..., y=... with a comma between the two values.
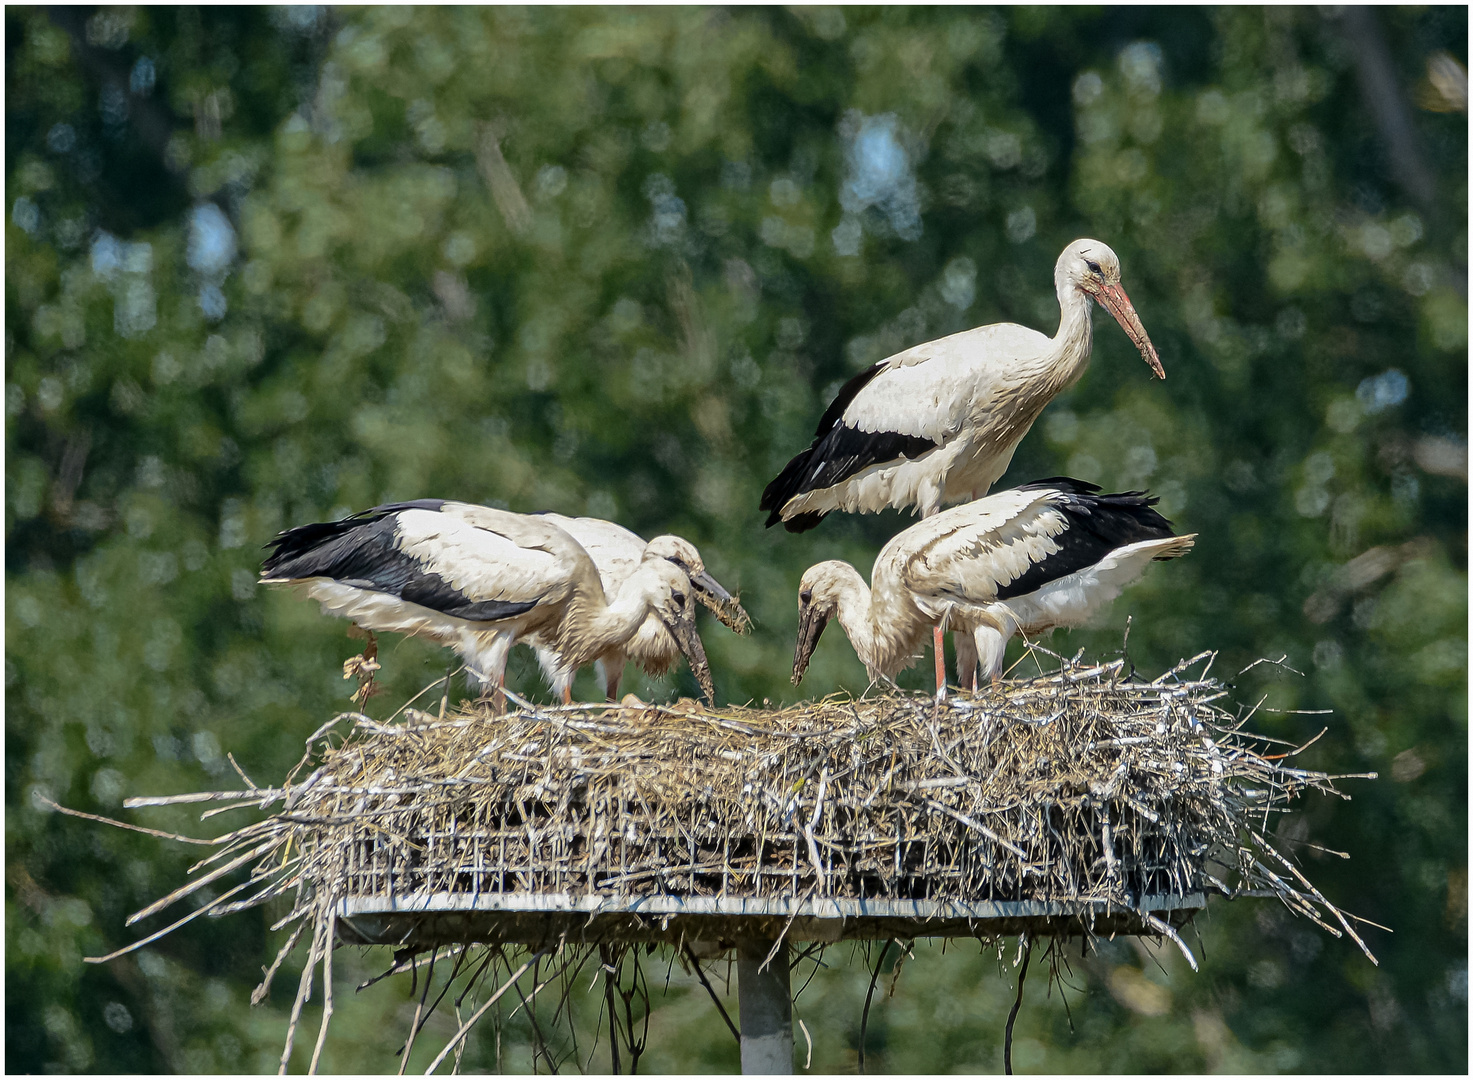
x=1082, y=803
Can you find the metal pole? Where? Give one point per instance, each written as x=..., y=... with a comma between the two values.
x=766, y=1010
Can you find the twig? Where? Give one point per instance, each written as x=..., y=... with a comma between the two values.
x=700, y=974
x=419, y=1011
x=196, y=913
x=123, y=824
x=1007, y=1040
x=332, y=929
x=492, y=1000
x=869, y=995
x=259, y=994
x=304, y=991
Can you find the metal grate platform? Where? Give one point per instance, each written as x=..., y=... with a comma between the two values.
x=425, y=920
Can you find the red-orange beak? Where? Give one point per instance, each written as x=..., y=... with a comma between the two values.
x=1114, y=300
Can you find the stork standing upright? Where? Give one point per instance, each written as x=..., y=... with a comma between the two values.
x=1026, y=560
x=938, y=422
x=476, y=579
x=617, y=552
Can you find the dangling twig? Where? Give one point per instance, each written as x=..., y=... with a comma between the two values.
x=700, y=974
x=492, y=1000
x=864, y=1017
x=1007, y=1042
x=332, y=929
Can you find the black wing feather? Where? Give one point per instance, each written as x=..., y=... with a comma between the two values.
x=304, y=540
x=1097, y=525
x=838, y=452
x=363, y=551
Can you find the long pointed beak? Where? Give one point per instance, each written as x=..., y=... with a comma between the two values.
x=1114, y=300
x=810, y=627
x=683, y=630
x=722, y=604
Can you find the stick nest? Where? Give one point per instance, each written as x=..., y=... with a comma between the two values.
x=1086, y=785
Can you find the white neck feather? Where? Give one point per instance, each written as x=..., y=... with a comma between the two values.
x=592, y=626
x=1070, y=354
x=884, y=626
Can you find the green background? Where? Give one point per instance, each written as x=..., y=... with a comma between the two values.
x=267, y=266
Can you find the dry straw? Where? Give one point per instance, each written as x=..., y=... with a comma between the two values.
x=1086, y=788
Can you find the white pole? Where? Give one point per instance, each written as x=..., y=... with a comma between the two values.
x=766, y=1010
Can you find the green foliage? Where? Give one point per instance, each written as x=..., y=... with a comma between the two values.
x=266, y=266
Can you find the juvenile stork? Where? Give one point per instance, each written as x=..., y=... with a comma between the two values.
x=617, y=552
x=1026, y=560
x=938, y=422
x=476, y=579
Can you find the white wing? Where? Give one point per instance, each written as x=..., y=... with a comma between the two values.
x=614, y=549
x=470, y=548
x=966, y=554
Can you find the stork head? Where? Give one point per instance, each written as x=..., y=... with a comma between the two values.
x=1092, y=268
x=708, y=590
x=818, y=602
x=667, y=590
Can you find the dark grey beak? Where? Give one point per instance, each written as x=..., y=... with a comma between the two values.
x=811, y=622
x=722, y=604
x=683, y=630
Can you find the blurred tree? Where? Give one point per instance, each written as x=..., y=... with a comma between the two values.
x=267, y=266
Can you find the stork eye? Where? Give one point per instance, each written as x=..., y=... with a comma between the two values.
x=1094, y=266
x=806, y=596
x=678, y=597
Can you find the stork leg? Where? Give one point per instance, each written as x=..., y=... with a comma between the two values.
x=498, y=699
x=611, y=682
x=937, y=643
x=568, y=693
x=966, y=660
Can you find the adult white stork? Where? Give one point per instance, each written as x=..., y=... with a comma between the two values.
x=476, y=579
x=617, y=552
x=939, y=422
x=1026, y=560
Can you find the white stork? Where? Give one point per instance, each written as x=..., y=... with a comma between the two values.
x=617, y=552
x=938, y=422
x=477, y=579
x=1026, y=560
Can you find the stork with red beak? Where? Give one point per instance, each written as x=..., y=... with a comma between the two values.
x=938, y=423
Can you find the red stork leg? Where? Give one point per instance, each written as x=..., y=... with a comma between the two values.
x=940, y=648
x=568, y=694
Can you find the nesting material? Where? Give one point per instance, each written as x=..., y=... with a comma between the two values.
x=1081, y=802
